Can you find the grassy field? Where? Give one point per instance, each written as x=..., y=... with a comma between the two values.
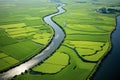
x=53, y=64
x=77, y=67
x=87, y=37
x=6, y=61
x=21, y=50
x=5, y=39
x=87, y=40
x=13, y=52
x=23, y=33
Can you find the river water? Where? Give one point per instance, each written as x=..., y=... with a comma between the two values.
x=53, y=45
x=109, y=69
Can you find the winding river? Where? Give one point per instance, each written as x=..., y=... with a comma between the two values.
x=109, y=69
x=53, y=45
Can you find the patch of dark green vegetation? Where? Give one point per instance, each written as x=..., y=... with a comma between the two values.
x=5, y=39
x=108, y=10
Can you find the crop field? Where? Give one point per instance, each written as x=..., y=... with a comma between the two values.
x=23, y=33
x=76, y=66
x=6, y=61
x=13, y=52
x=53, y=64
x=23, y=48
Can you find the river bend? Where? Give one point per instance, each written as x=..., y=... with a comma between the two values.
x=53, y=45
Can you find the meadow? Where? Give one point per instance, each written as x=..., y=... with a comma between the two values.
x=87, y=40
x=23, y=33
x=87, y=37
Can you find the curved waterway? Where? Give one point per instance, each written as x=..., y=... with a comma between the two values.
x=53, y=45
x=109, y=69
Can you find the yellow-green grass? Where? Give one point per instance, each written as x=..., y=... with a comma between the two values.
x=41, y=35
x=62, y=76
x=99, y=54
x=53, y=64
x=34, y=22
x=80, y=14
x=79, y=23
x=106, y=28
x=5, y=39
x=22, y=50
x=86, y=28
x=15, y=30
x=24, y=11
x=3, y=64
x=25, y=31
x=88, y=37
x=59, y=57
x=42, y=38
x=2, y=55
x=21, y=19
x=18, y=25
x=71, y=31
x=77, y=67
x=10, y=60
x=21, y=31
x=17, y=50
x=21, y=35
x=86, y=44
x=84, y=15
x=85, y=50
x=28, y=28
x=41, y=41
x=48, y=68
x=18, y=29
x=91, y=51
x=6, y=61
x=32, y=18
x=75, y=58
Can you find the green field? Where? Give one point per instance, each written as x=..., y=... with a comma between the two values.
x=77, y=67
x=53, y=64
x=13, y=52
x=23, y=34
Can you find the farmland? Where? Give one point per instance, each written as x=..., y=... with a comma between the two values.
x=52, y=66
x=87, y=38
x=23, y=33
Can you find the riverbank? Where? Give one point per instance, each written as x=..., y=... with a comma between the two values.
x=109, y=67
x=54, y=44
